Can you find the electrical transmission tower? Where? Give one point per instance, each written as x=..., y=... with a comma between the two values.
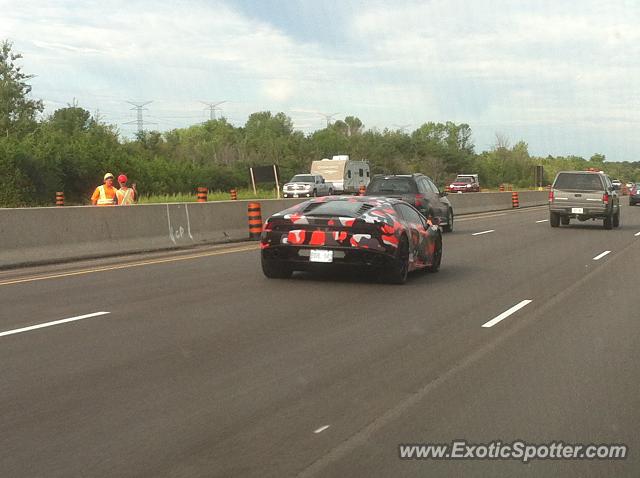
x=212, y=107
x=328, y=117
x=401, y=127
x=139, y=108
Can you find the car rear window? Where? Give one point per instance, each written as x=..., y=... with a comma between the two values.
x=344, y=208
x=392, y=186
x=581, y=182
x=464, y=179
x=301, y=178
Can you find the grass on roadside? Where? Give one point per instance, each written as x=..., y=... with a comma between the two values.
x=211, y=196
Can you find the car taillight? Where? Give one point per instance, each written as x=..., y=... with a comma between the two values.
x=605, y=198
x=551, y=195
x=418, y=200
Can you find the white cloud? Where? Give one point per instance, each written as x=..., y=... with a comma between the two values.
x=279, y=90
x=487, y=62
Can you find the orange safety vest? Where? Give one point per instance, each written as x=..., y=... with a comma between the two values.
x=125, y=196
x=103, y=199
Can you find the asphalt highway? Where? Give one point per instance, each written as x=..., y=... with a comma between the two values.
x=192, y=364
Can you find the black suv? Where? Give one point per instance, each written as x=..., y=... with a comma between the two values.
x=419, y=191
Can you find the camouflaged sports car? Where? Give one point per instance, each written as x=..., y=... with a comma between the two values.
x=385, y=235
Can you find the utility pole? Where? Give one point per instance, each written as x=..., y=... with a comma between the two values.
x=139, y=108
x=212, y=107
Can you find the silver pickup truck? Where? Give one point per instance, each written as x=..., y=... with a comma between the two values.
x=583, y=195
x=307, y=185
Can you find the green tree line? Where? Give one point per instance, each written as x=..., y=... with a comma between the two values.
x=70, y=150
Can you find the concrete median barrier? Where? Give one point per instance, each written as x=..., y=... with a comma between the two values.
x=45, y=235
x=469, y=203
x=533, y=198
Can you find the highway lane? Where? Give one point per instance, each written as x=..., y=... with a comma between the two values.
x=566, y=371
x=205, y=368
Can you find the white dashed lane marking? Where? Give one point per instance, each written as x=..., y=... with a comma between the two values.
x=601, y=255
x=483, y=232
x=507, y=313
x=49, y=324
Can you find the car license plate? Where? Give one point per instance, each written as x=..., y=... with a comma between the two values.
x=577, y=210
x=295, y=195
x=320, y=255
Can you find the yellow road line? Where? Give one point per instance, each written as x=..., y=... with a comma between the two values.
x=124, y=266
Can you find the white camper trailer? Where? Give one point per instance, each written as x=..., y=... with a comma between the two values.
x=345, y=174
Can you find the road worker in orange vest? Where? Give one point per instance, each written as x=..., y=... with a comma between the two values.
x=105, y=195
x=126, y=195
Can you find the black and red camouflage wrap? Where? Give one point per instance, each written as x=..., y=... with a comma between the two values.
x=367, y=237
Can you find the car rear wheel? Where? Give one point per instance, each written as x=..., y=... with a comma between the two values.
x=608, y=222
x=616, y=219
x=554, y=219
x=400, y=267
x=449, y=226
x=565, y=220
x=437, y=257
x=276, y=270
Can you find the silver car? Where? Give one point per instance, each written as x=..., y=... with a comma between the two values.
x=583, y=195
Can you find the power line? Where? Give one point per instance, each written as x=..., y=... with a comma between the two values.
x=212, y=107
x=326, y=116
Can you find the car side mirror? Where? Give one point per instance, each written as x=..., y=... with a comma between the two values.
x=443, y=194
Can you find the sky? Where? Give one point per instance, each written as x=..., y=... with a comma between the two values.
x=561, y=75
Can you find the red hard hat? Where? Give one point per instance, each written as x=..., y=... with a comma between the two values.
x=122, y=178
